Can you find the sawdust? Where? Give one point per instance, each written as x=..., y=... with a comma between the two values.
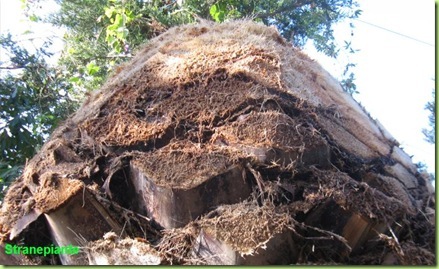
x=183, y=165
x=261, y=224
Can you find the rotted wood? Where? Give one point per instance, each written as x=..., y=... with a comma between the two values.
x=280, y=249
x=173, y=207
x=80, y=220
x=355, y=228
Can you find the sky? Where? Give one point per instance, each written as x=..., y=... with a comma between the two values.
x=394, y=73
x=13, y=20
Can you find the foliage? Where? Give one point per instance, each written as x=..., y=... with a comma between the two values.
x=101, y=34
x=84, y=57
x=117, y=31
x=33, y=100
x=297, y=20
x=430, y=134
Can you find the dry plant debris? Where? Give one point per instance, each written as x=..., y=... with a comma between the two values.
x=222, y=144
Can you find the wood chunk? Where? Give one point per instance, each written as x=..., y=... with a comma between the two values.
x=391, y=187
x=81, y=219
x=24, y=222
x=317, y=155
x=390, y=259
x=402, y=157
x=400, y=172
x=277, y=250
x=54, y=191
x=356, y=231
x=213, y=251
x=173, y=207
x=345, y=139
x=275, y=138
x=245, y=234
x=355, y=228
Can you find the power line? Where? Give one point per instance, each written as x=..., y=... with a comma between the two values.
x=396, y=33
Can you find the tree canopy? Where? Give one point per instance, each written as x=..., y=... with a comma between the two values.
x=33, y=100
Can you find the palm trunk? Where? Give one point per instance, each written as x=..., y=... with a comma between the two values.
x=222, y=144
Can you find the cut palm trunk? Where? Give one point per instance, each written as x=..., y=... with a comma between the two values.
x=177, y=186
x=80, y=220
x=224, y=144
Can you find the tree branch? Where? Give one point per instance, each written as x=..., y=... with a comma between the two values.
x=291, y=6
x=11, y=67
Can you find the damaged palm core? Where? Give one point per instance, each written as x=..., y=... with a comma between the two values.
x=223, y=144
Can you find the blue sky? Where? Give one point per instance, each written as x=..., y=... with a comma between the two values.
x=394, y=73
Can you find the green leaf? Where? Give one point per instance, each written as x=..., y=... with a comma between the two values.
x=214, y=11
x=74, y=79
x=110, y=39
x=112, y=28
x=109, y=12
x=130, y=15
x=118, y=21
x=117, y=47
x=71, y=50
x=122, y=33
x=92, y=68
x=34, y=18
x=217, y=12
